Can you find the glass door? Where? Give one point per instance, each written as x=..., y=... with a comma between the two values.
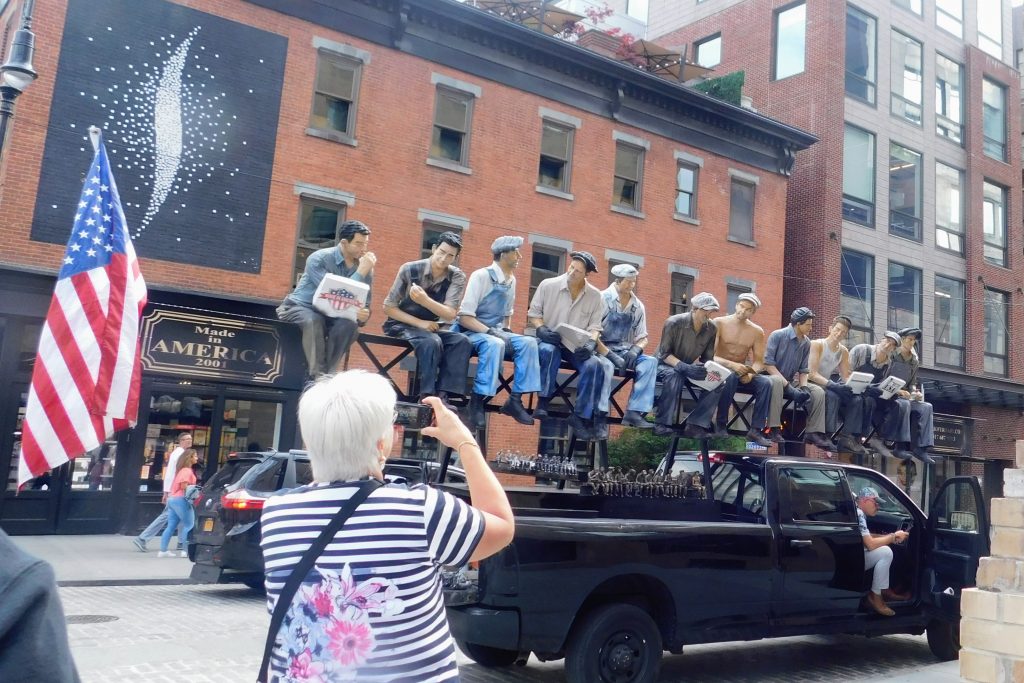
x=249, y=425
x=174, y=412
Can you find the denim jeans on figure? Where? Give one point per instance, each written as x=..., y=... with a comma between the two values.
x=155, y=527
x=180, y=513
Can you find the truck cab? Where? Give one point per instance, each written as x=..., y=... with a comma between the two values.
x=771, y=548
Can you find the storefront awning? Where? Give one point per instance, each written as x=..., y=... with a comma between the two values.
x=957, y=387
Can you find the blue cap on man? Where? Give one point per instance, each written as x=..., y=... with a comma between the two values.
x=506, y=243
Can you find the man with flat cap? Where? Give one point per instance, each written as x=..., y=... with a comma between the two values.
x=484, y=318
x=424, y=298
x=874, y=359
x=570, y=299
x=623, y=338
x=786, y=358
x=739, y=346
x=687, y=342
x=913, y=426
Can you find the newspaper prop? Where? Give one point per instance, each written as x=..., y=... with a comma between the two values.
x=890, y=385
x=717, y=374
x=859, y=381
x=572, y=337
x=340, y=297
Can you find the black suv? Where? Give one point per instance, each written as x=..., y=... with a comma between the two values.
x=225, y=543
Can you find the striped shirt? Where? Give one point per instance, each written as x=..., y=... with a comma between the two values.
x=372, y=609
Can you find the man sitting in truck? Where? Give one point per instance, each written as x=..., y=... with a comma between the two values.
x=877, y=553
x=623, y=338
x=687, y=342
x=570, y=299
x=739, y=346
x=787, y=359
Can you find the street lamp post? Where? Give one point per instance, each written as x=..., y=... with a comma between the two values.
x=17, y=73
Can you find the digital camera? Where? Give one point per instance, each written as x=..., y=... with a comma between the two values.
x=413, y=415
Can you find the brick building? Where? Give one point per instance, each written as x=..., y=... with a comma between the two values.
x=908, y=210
x=291, y=117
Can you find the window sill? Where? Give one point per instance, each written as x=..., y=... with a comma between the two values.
x=913, y=240
x=552, y=192
x=996, y=265
x=625, y=210
x=951, y=252
x=683, y=218
x=737, y=240
x=867, y=103
x=449, y=165
x=333, y=136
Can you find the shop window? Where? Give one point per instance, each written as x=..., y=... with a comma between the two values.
x=94, y=471
x=249, y=426
x=318, y=228
x=861, y=57
x=171, y=414
x=28, y=347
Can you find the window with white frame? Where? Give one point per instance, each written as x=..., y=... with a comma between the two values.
x=858, y=175
x=949, y=105
x=861, y=54
x=907, y=81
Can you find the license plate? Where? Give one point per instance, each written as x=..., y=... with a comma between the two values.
x=208, y=524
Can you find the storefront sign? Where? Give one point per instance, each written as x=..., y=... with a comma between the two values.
x=179, y=343
x=953, y=435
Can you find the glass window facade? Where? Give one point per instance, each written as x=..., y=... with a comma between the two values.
x=993, y=112
x=904, y=192
x=686, y=189
x=857, y=295
x=993, y=215
x=990, y=27
x=861, y=54
x=790, y=41
x=949, y=208
x=949, y=16
x=708, y=52
x=949, y=322
x=949, y=106
x=907, y=80
x=904, y=297
x=858, y=175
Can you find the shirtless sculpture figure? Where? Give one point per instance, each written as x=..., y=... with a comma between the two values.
x=740, y=347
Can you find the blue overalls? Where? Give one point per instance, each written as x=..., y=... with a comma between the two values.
x=617, y=335
x=490, y=350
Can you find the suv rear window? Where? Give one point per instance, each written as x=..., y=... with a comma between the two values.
x=268, y=477
x=230, y=473
x=303, y=472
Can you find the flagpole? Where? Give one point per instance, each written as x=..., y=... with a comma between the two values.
x=94, y=137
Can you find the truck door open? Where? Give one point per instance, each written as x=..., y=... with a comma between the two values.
x=958, y=537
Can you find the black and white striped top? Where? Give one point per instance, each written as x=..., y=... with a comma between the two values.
x=372, y=609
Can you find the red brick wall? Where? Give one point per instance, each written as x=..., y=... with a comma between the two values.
x=388, y=175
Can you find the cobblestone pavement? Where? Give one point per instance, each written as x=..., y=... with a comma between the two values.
x=200, y=634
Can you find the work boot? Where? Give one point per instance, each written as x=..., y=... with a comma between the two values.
x=851, y=445
x=818, y=439
x=634, y=418
x=581, y=427
x=775, y=435
x=477, y=419
x=515, y=409
x=921, y=453
x=893, y=596
x=903, y=451
x=759, y=438
x=876, y=603
x=664, y=430
x=876, y=444
x=720, y=432
x=541, y=411
x=695, y=431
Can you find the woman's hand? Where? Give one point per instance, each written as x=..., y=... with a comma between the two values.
x=447, y=427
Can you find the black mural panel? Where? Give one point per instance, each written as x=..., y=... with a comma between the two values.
x=188, y=103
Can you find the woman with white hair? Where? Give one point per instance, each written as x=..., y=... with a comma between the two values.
x=371, y=607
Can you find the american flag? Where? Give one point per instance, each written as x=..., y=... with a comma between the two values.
x=85, y=383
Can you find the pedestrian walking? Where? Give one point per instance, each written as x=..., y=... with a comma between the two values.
x=158, y=524
x=180, y=512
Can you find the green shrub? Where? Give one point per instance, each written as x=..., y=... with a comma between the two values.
x=640, y=449
x=727, y=88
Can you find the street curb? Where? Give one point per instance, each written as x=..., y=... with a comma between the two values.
x=124, y=582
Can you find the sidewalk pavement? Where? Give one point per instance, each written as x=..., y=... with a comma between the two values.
x=106, y=560
x=944, y=672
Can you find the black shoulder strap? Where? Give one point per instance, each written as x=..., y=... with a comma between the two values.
x=291, y=586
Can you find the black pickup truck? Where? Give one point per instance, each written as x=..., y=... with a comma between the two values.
x=767, y=547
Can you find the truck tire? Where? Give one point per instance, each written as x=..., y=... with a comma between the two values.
x=489, y=657
x=614, y=644
x=944, y=639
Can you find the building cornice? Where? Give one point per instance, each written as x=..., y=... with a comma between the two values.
x=477, y=42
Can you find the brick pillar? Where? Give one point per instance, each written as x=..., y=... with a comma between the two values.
x=992, y=624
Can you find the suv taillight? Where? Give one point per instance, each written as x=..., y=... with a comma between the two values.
x=241, y=500
x=714, y=458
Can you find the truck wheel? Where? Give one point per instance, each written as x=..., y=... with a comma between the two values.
x=487, y=656
x=614, y=644
x=944, y=639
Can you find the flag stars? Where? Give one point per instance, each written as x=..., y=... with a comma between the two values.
x=83, y=234
x=108, y=248
x=106, y=218
x=89, y=192
x=76, y=247
x=90, y=252
x=68, y=260
x=97, y=240
x=95, y=180
x=90, y=222
x=96, y=208
x=81, y=205
x=104, y=188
